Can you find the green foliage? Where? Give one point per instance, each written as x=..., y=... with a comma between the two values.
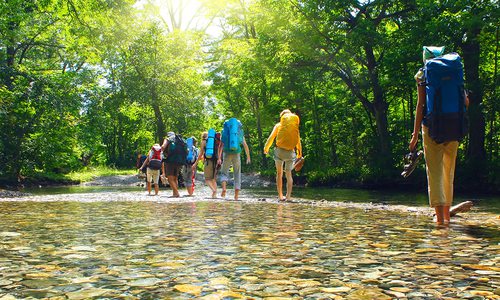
x=94, y=83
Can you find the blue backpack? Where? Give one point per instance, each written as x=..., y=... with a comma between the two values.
x=445, y=98
x=232, y=136
x=191, y=151
x=210, y=146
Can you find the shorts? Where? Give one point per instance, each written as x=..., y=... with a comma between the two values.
x=172, y=169
x=210, y=169
x=287, y=156
x=152, y=175
x=188, y=175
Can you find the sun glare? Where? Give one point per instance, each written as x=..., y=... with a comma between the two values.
x=181, y=14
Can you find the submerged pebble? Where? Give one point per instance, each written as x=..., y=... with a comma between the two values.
x=118, y=246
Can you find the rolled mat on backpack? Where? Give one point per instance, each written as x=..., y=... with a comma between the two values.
x=209, y=150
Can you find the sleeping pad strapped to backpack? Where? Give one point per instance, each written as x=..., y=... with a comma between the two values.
x=210, y=145
x=192, y=154
x=155, y=159
x=232, y=136
x=445, y=98
x=288, y=133
x=177, y=150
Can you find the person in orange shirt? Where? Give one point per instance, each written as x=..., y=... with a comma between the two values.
x=287, y=136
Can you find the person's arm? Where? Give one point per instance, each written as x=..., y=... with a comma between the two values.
x=299, y=148
x=219, y=152
x=164, y=145
x=201, y=156
x=146, y=161
x=195, y=164
x=247, y=151
x=419, y=115
x=271, y=138
x=467, y=101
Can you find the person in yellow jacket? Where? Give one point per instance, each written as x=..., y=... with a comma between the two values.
x=287, y=136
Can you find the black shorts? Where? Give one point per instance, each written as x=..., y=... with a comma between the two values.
x=172, y=169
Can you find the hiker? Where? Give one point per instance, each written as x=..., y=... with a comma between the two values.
x=441, y=101
x=175, y=157
x=153, y=162
x=189, y=169
x=230, y=154
x=209, y=150
x=287, y=136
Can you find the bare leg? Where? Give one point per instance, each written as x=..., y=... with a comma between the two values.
x=156, y=189
x=172, y=180
x=439, y=214
x=149, y=187
x=279, y=179
x=236, y=192
x=289, y=185
x=461, y=207
x=212, y=184
x=223, y=193
x=446, y=214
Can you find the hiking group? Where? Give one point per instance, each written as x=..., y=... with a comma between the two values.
x=219, y=151
x=440, y=115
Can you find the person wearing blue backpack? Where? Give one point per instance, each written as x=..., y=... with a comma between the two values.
x=189, y=169
x=440, y=114
x=209, y=150
x=232, y=139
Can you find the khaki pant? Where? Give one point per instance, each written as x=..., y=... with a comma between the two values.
x=440, y=166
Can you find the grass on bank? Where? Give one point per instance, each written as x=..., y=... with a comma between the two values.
x=40, y=178
x=90, y=173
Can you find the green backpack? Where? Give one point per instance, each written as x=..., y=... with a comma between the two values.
x=177, y=150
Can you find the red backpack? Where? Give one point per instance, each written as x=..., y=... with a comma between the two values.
x=155, y=160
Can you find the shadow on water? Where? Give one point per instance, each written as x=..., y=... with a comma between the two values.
x=482, y=232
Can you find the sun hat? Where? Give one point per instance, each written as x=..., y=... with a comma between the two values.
x=429, y=52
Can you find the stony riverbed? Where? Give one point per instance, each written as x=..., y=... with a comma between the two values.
x=128, y=245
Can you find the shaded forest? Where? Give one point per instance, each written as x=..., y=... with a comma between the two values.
x=95, y=82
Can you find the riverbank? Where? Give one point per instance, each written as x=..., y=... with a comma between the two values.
x=119, y=188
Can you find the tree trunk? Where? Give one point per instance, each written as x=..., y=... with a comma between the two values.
x=379, y=104
x=476, y=154
x=160, y=126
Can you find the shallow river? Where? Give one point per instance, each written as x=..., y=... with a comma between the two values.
x=105, y=244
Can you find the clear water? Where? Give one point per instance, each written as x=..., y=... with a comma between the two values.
x=157, y=248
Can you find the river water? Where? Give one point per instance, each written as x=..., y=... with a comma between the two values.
x=102, y=243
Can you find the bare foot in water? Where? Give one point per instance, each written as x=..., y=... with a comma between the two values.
x=223, y=194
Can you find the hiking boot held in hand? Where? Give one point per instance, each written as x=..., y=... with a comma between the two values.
x=411, y=160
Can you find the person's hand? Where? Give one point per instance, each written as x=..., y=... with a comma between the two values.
x=266, y=152
x=248, y=160
x=413, y=142
x=219, y=161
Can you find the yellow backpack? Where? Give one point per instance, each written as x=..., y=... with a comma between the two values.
x=288, y=133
